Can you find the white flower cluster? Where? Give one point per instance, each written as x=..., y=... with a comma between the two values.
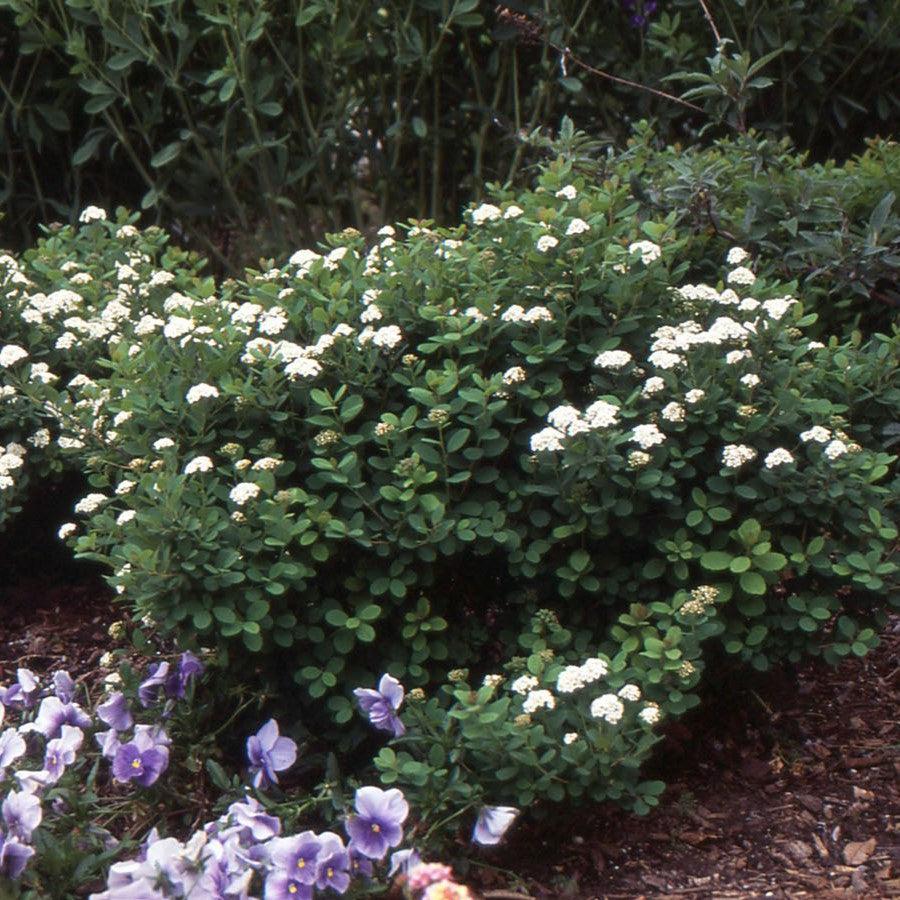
x=538, y=699
x=12, y=458
x=649, y=251
x=735, y=455
x=609, y=708
x=243, y=492
x=613, y=359
x=200, y=392
x=573, y=678
x=517, y=314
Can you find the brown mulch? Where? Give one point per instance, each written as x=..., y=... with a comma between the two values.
x=788, y=790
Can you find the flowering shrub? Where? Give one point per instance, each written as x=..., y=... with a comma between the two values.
x=386, y=461
x=60, y=306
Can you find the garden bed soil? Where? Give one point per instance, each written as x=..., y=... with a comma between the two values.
x=787, y=790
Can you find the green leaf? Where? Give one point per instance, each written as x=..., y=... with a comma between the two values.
x=715, y=560
x=753, y=583
x=166, y=155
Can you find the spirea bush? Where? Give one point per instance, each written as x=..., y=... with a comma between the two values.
x=60, y=304
x=389, y=459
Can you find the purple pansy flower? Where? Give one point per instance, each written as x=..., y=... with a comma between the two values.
x=149, y=689
x=115, y=713
x=108, y=741
x=334, y=864
x=378, y=822
x=492, y=823
x=63, y=686
x=24, y=692
x=189, y=668
x=381, y=706
x=252, y=818
x=297, y=856
x=12, y=746
x=22, y=814
x=143, y=759
x=53, y=714
x=269, y=753
x=13, y=856
x=61, y=752
x=280, y=885
x=403, y=861
x=360, y=865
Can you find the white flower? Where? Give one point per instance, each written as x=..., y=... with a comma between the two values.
x=387, y=337
x=567, y=419
x=748, y=304
x=125, y=517
x=90, y=503
x=487, y=212
x=92, y=214
x=663, y=359
x=653, y=385
x=594, y=669
x=735, y=455
x=736, y=255
x=612, y=359
x=835, y=449
x=778, y=306
x=750, y=380
x=630, y=692
x=817, y=433
x=9, y=462
x=577, y=226
x=673, y=412
x=515, y=313
x=11, y=354
x=303, y=367
x=815, y=345
x=537, y=314
x=647, y=436
x=341, y=330
x=246, y=314
x=648, y=250
x=537, y=699
x=266, y=463
x=200, y=392
x=569, y=680
x=473, y=312
x=273, y=322
x=569, y=192
x=67, y=530
x=41, y=438
x=546, y=242
x=126, y=231
x=694, y=396
x=124, y=487
x=177, y=326
x=198, y=464
x=741, y=275
x=163, y=443
x=570, y=737
x=601, y=414
x=514, y=375
x=243, y=492
x=609, y=708
x=733, y=357
x=523, y=684
x=513, y=212
x=778, y=457
x=69, y=443
x=336, y=255
x=304, y=259
x=649, y=714
x=547, y=439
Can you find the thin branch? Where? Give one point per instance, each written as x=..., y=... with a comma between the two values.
x=567, y=53
x=712, y=22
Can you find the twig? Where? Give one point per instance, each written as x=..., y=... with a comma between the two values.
x=712, y=23
x=567, y=53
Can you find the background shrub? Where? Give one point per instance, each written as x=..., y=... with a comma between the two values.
x=241, y=124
